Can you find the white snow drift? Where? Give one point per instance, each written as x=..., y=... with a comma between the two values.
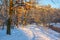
x=30, y=32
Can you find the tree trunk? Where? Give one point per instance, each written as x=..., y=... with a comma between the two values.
x=10, y=17
x=8, y=26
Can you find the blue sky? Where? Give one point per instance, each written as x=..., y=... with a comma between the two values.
x=54, y=3
x=0, y=1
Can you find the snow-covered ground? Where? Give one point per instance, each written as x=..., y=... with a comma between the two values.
x=15, y=35
x=30, y=32
x=35, y=32
x=56, y=25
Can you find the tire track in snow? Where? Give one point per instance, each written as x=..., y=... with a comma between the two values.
x=52, y=34
x=38, y=34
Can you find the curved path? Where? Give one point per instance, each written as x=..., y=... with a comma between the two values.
x=35, y=33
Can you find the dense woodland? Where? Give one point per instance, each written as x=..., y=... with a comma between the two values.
x=23, y=12
x=28, y=13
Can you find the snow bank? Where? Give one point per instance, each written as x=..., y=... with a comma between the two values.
x=15, y=35
x=35, y=33
x=30, y=32
x=56, y=25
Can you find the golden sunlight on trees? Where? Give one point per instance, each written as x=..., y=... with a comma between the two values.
x=30, y=10
x=27, y=12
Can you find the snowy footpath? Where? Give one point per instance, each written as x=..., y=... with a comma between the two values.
x=30, y=32
x=35, y=32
